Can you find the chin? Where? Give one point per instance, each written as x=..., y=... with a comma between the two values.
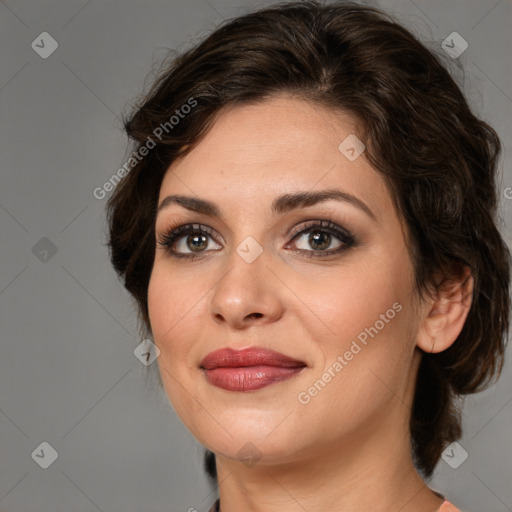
x=250, y=450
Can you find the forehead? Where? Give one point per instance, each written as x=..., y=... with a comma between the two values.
x=277, y=146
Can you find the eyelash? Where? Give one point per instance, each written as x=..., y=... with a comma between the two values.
x=168, y=239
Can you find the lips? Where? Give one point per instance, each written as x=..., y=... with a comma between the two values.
x=249, y=369
x=254, y=356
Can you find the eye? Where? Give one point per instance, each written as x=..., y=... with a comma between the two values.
x=193, y=240
x=320, y=235
x=194, y=237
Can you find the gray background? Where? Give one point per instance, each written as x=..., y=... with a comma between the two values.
x=68, y=330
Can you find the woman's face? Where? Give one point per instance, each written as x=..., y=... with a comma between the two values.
x=326, y=283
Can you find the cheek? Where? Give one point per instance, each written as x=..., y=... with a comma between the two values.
x=345, y=302
x=175, y=308
x=366, y=312
x=174, y=305
x=161, y=304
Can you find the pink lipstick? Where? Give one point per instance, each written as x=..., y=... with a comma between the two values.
x=249, y=369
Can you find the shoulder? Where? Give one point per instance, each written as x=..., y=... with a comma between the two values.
x=445, y=507
x=448, y=507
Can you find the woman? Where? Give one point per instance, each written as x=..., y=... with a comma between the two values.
x=309, y=232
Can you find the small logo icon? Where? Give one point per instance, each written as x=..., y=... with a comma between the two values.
x=45, y=455
x=249, y=454
x=454, y=455
x=351, y=147
x=44, y=250
x=454, y=45
x=146, y=352
x=249, y=249
x=44, y=45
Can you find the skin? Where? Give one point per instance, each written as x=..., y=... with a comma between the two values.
x=348, y=448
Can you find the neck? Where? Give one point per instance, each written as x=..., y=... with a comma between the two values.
x=371, y=470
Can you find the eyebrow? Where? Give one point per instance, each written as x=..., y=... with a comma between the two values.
x=281, y=204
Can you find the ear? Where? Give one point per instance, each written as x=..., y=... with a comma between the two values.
x=444, y=316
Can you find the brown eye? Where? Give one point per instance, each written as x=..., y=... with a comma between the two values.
x=318, y=240
x=187, y=241
x=197, y=242
x=193, y=240
x=320, y=237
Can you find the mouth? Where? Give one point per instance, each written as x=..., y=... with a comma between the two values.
x=249, y=369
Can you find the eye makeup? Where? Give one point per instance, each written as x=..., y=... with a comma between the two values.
x=322, y=232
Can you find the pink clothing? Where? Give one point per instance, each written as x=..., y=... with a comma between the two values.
x=448, y=507
x=445, y=507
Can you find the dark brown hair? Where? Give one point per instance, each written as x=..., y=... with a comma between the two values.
x=439, y=161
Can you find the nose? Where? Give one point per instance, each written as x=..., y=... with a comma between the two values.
x=247, y=293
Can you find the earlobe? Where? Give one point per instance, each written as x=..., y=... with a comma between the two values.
x=444, y=316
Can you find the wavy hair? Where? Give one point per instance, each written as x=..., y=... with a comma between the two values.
x=438, y=159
